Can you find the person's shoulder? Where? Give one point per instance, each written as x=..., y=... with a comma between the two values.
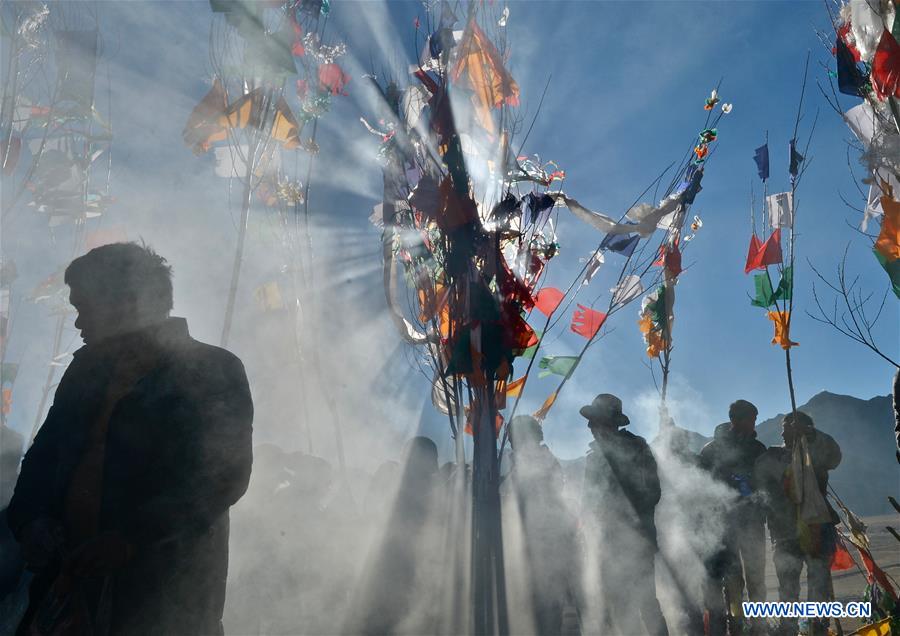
x=213, y=364
x=635, y=441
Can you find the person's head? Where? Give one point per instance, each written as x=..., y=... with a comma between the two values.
x=421, y=457
x=742, y=415
x=525, y=431
x=604, y=413
x=794, y=426
x=118, y=288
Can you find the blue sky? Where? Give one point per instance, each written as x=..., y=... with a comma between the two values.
x=625, y=100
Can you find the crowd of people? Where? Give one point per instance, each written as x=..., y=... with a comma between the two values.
x=120, y=512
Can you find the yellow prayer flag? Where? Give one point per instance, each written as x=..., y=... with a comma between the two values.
x=269, y=297
x=782, y=320
x=541, y=413
x=881, y=628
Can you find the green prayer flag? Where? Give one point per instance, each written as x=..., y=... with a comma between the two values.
x=559, y=365
x=8, y=372
x=530, y=351
x=785, y=285
x=658, y=308
x=765, y=296
x=892, y=269
x=764, y=292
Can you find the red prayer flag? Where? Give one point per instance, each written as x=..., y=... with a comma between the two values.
x=670, y=258
x=875, y=573
x=762, y=254
x=841, y=559
x=752, y=253
x=548, y=299
x=886, y=67
x=332, y=77
x=586, y=322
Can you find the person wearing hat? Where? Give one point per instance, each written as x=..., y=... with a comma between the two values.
x=620, y=494
x=548, y=528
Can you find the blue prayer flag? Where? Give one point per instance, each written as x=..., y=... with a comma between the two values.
x=762, y=161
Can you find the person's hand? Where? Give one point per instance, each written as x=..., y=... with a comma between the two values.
x=99, y=556
x=41, y=542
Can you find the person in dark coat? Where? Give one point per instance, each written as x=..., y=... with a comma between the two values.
x=121, y=505
x=798, y=542
x=730, y=458
x=11, y=563
x=620, y=493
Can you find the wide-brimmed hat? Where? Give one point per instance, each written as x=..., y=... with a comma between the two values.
x=605, y=407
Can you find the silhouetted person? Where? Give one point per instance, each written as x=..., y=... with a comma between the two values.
x=398, y=592
x=621, y=491
x=122, y=502
x=730, y=458
x=801, y=523
x=549, y=533
x=11, y=563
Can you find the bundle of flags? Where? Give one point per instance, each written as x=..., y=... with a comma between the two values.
x=763, y=254
x=887, y=245
x=654, y=321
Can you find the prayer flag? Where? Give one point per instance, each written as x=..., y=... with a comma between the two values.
x=622, y=244
x=796, y=160
x=548, y=299
x=886, y=67
x=541, y=413
x=269, y=297
x=627, y=290
x=559, y=365
x=781, y=209
x=781, y=320
x=888, y=241
x=892, y=269
x=586, y=322
x=514, y=388
x=761, y=255
x=761, y=157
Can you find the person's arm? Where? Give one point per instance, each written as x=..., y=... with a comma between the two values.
x=214, y=462
x=33, y=494
x=651, y=485
x=833, y=453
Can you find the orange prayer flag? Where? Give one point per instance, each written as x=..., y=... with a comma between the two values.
x=491, y=83
x=541, y=413
x=285, y=127
x=888, y=241
x=6, y=402
x=202, y=127
x=514, y=388
x=498, y=424
x=782, y=320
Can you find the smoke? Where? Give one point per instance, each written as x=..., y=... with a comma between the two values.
x=338, y=531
